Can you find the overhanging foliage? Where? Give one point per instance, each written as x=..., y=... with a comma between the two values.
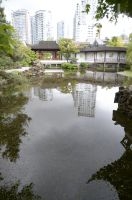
x=112, y=8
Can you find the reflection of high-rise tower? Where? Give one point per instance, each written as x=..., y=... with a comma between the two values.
x=84, y=96
x=46, y=94
x=43, y=94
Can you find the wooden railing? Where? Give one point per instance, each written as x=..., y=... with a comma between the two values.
x=102, y=60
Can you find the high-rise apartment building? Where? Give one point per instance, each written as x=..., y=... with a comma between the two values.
x=33, y=30
x=83, y=25
x=21, y=23
x=76, y=24
x=41, y=26
x=60, y=30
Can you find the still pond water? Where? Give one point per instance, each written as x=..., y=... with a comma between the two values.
x=64, y=143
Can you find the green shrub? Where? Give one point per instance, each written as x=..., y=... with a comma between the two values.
x=13, y=78
x=5, y=62
x=68, y=66
x=83, y=65
x=73, y=60
x=128, y=67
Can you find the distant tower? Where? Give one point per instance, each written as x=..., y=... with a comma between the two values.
x=83, y=25
x=41, y=26
x=60, y=30
x=33, y=30
x=21, y=22
x=77, y=23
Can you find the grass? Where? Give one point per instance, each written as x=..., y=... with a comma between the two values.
x=126, y=73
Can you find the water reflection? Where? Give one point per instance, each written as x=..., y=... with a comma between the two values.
x=105, y=77
x=58, y=155
x=84, y=96
x=44, y=94
x=13, y=192
x=119, y=172
x=124, y=121
x=12, y=122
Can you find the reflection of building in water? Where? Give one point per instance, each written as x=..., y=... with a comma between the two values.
x=84, y=96
x=43, y=94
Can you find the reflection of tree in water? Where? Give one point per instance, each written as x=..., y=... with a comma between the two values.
x=67, y=88
x=12, y=122
x=44, y=94
x=119, y=173
x=12, y=127
x=64, y=85
x=13, y=192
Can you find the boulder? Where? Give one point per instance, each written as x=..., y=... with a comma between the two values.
x=124, y=100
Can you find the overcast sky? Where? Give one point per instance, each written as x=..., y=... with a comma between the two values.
x=64, y=10
x=61, y=9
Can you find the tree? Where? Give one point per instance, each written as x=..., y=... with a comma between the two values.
x=23, y=55
x=7, y=40
x=2, y=15
x=67, y=47
x=129, y=53
x=130, y=37
x=111, y=9
x=98, y=29
x=115, y=42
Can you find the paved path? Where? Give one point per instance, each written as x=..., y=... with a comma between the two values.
x=17, y=70
x=52, y=62
x=53, y=71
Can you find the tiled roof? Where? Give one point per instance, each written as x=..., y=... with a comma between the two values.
x=52, y=45
x=102, y=48
x=45, y=45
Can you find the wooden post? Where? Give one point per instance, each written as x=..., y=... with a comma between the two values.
x=104, y=61
x=118, y=64
x=117, y=68
x=104, y=67
x=103, y=75
x=94, y=57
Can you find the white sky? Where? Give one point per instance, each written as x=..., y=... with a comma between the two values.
x=61, y=9
x=123, y=26
x=64, y=10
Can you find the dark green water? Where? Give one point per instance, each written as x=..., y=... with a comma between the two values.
x=67, y=141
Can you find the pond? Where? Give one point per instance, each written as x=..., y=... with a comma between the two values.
x=64, y=142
